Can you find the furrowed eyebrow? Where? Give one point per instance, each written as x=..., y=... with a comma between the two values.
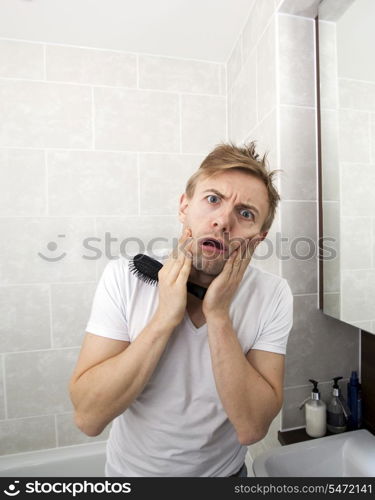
x=243, y=205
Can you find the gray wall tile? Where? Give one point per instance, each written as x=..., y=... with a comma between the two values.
x=37, y=382
x=20, y=263
x=2, y=393
x=259, y=17
x=234, y=63
x=21, y=60
x=358, y=196
x=71, y=305
x=27, y=434
x=357, y=95
x=22, y=171
x=358, y=292
x=202, y=122
x=330, y=155
x=354, y=136
x=91, y=66
x=126, y=119
x=136, y=235
x=25, y=317
x=299, y=263
x=356, y=250
x=328, y=65
x=179, y=75
x=266, y=72
x=92, y=183
x=319, y=347
x=297, y=153
x=333, y=243
x=45, y=115
x=242, y=102
x=296, y=61
x=162, y=181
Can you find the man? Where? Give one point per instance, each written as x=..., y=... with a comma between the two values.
x=189, y=383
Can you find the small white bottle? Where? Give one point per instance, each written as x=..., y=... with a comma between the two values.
x=315, y=413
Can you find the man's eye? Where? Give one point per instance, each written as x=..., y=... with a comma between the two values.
x=247, y=213
x=212, y=198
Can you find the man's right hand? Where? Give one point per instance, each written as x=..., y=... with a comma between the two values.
x=173, y=277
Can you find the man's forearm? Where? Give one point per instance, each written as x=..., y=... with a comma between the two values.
x=108, y=389
x=248, y=399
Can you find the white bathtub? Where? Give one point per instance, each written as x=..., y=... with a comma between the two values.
x=85, y=460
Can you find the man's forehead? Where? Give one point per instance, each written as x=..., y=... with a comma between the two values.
x=248, y=185
x=251, y=190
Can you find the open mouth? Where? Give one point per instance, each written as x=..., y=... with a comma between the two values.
x=214, y=245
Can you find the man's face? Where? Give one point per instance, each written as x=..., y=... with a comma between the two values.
x=229, y=207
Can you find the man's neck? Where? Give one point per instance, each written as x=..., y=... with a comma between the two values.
x=200, y=278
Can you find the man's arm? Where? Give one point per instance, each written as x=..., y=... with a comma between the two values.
x=110, y=374
x=250, y=387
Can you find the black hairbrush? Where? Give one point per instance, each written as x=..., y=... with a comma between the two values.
x=146, y=268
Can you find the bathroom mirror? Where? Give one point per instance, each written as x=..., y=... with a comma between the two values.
x=346, y=44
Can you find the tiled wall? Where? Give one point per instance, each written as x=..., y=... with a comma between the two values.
x=357, y=160
x=348, y=111
x=99, y=144
x=271, y=98
x=320, y=347
x=93, y=144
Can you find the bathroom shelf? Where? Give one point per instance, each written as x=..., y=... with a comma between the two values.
x=295, y=436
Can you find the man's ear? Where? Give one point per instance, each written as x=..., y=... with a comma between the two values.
x=262, y=236
x=184, y=203
x=258, y=238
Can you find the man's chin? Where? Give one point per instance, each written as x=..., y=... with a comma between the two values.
x=212, y=266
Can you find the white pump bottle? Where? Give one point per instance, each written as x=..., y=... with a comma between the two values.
x=315, y=413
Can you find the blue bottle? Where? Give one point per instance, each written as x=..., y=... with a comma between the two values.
x=354, y=402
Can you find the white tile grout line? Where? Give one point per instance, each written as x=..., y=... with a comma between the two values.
x=45, y=62
x=226, y=106
x=42, y=415
x=46, y=183
x=97, y=262
x=137, y=79
x=316, y=93
x=278, y=143
x=101, y=49
x=56, y=430
x=47, y=349
x=287, y=14
x=100, y=150
x=5, y=388
x=50, y=314
x=180, y=123
x=139, y=182
x=93, y=118
x=114, y=87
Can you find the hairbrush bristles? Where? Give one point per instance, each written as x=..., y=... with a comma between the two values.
x=145, y=268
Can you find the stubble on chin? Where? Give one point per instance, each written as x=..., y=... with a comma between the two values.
x=209, y=266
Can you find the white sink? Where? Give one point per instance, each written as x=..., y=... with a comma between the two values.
x=350, y=454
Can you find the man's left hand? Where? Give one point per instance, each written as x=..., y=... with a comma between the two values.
x=220, y=293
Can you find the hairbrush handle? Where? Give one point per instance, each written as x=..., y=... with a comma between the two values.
x=146, y=268
x=197, y=290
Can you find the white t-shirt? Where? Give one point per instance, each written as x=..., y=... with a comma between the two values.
x=177, y=426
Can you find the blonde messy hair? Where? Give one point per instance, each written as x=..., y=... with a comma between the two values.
x=246, y=159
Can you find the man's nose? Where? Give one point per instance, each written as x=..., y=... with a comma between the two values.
x=222, y=221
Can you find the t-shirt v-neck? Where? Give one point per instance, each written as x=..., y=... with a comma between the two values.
x=191, y=325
